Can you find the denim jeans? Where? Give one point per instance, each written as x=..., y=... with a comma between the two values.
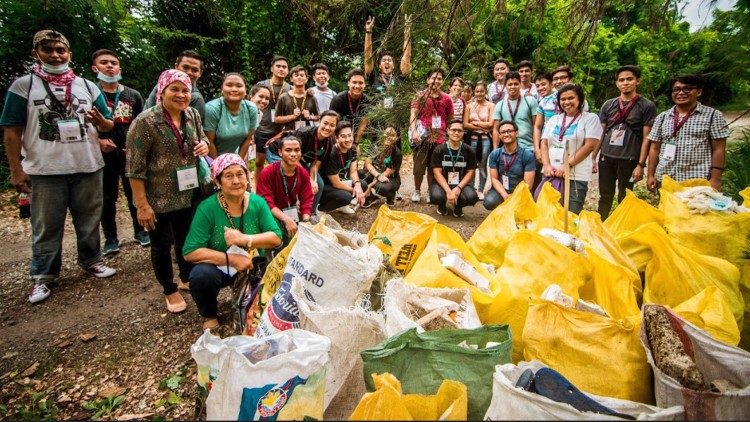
x=272, y=158
x=578, y=190
x=484, y=146
x=206, y=281
x=51, y=198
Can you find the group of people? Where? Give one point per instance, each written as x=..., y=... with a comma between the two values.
x=71, y=142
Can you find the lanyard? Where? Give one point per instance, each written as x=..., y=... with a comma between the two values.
x=301, y=105
x=678, y=124
x=353, y=111
x=288, y=191
x=512, y=160
x=274, y=94
x=499, y=91
x=564, y=127
x=383, y=156
x=623, y=110
x=450, y=154
x=177, y=134
x=65, y=105
x=117, y=99
x=510, y=109
x=225, y=205
x=341, y=159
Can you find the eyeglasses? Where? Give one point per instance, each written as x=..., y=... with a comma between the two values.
x=455, y=130
x=506, y=132
x=560, y=78
x=684, y=89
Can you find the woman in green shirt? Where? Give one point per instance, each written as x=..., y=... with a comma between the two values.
x=231, y=120
x=226, y=229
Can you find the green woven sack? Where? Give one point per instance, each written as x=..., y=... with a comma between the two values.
x=422, y=361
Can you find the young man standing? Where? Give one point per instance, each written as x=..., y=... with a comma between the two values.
x=453, y=165
x=191, y=63
x=343, y=190
x=286, y=187
x=267, y=129
x=509, y=165
x=627, y=121
x=296, y=108
x=689, y=140
x=352, y=104
x=383, y=79
x=496, y=90
x=54, y=116
x=518, y=109
x=125, y=104
x=525, y=70
x=322, y=93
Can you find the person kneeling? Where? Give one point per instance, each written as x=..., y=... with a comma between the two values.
x=509, y=165
x=227, y=227
x=342, y=190
x=453, y=165
x=286, y=187
x=381, y=172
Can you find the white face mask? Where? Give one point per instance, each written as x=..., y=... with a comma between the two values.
x=56, y=70
x=325, y=85
x=108, y=79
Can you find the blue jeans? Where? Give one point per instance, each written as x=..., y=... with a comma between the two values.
x=51, y=198
x=578, y=190
x=484, y=145
x=272, y=158
x=206, y=281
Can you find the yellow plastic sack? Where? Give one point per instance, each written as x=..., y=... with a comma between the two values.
x=670, y=185
x=387, y=403
x=675, y=273
x=532, y=263
x=631, y=214
x=551, y=214
x=725, y=236
x=402, y=235
x=745, y=194
x=490, y=239
x=709, y=310
x=597, y=354
x=745, y=289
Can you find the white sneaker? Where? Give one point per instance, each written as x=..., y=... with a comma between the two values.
x=98, y=269
x=346, y=209
x=416, y=197
x=39, y=292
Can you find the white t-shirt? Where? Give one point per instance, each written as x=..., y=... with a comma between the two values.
x=48, y=147
x=323, y=98
x=585, y=126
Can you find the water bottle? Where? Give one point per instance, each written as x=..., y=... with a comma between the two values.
x=24, y=205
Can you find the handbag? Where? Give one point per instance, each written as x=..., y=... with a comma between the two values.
x=246, y=292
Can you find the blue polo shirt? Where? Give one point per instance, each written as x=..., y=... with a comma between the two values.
x=518, y=163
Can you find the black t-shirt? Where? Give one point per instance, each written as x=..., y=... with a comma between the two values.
x=642, y=113
x=308, y=144
x=338, y=163
x=129, y=105
x=379, y=84
x=392, y=160
x=287, y=103
x=350, y=109
x=450, y=160
x=266, y=125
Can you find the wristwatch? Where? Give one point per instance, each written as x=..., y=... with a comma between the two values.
x=643, y=164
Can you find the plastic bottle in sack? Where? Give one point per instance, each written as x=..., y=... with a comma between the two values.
x=24, y=205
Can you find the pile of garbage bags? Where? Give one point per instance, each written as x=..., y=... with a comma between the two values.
x=637, y=317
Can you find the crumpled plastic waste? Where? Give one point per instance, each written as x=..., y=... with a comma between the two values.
x=568, y=240
x=554, y=293
x=702, y=199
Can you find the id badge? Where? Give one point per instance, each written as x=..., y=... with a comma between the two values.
x=453, y=178
x=388, y=102
x=299, y=124
x=669, y=152
x=187, y=178
x=273, y=114
x=292, y=213
x=617, y=138
x=70, y=130
x=436, y=122
x=506, y=183
x=557, y=155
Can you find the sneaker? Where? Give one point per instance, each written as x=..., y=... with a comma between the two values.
x=391, y=200
x=458, y=212
x=111, y=247
x=442, y=210
x=39, y=292
x=369, y=201
x=398, y=196
x=143, y=238
x=98, y=269
x=346, y=209
x=416, y=197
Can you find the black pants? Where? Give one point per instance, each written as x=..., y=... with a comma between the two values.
x=171, y=229
x=114, y=171
x=206, y=281
x=387, y=189
x=492, y=199
x=614, y=172
x=334, y=198
x=468, y=196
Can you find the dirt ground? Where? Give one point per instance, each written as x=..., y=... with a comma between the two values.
x=108, y=348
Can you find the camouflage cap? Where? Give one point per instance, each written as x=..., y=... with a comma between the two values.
x=49, y=35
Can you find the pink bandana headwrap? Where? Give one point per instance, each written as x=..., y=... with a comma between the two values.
x=167, y=77
x=225, y=160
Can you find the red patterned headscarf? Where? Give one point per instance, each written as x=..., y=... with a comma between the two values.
x=168, y=77
x=223, y=161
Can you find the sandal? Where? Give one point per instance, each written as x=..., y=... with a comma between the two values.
x=181, y=285
x=210, y=324
x=177, y=307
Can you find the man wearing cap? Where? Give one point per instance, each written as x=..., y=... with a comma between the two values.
x=54, y=116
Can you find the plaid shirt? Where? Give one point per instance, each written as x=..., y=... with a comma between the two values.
x=694, y=142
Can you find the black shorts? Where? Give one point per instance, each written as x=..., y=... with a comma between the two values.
x=261, y=139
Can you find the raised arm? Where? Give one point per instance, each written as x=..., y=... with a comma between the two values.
x=406, y=55
x=369, y=59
